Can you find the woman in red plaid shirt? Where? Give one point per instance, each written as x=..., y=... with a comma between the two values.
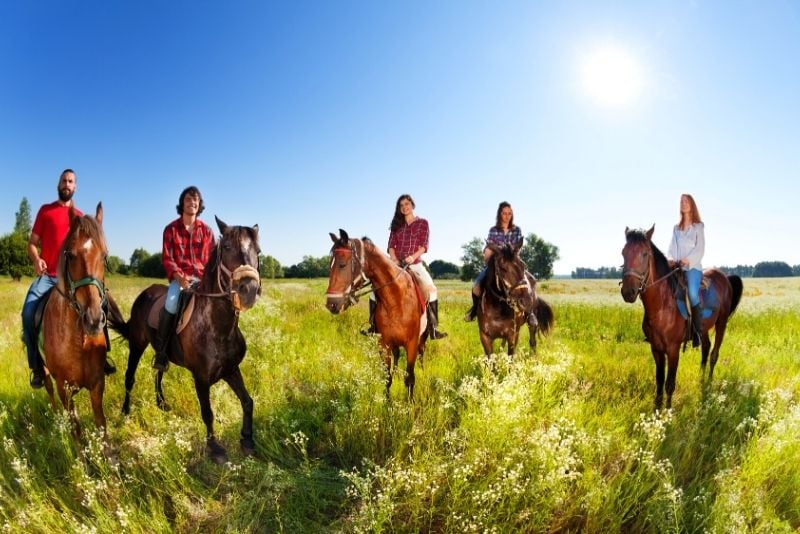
x=408, y=241
x=187, y=247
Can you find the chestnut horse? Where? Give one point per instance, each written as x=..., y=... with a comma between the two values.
x=72, y=329
x=400, y=314
x=210, y=345
x=648, y=275
x=509, y=300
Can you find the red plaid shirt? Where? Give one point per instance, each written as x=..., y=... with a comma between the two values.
x=186, y=252
x=407, y=239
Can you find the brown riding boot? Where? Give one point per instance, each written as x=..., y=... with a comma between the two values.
x=166, y=326
x=433, y=321
x=373, y=305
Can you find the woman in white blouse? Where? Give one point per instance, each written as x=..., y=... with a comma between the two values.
x=686, y=251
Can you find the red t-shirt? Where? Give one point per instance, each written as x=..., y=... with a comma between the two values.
x=52, y=227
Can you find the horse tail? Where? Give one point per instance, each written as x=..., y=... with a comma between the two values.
x=116, y=321
x=544, y=315
x=736, y=284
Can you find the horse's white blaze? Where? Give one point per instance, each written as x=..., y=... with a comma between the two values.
x=88, y=245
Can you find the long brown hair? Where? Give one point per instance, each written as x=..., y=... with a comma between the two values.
x=399, y=219
x=694, y=213
x=498, y=223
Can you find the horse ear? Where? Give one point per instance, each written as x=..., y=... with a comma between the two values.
x=222, y=226
x=627, y=231
x=333, y=237
x=344, y=235
x=99, y=213
x=649, y=233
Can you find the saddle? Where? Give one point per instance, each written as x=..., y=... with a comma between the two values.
x=185, y=310
x=422, y=292
x=709, y=300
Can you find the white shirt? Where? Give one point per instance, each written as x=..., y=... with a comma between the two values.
x=689, y=244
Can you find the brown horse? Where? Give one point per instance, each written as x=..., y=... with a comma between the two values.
x=73, y=339
x=509, y=300
x=210, y=345
x=400, y=314
x=647, y=274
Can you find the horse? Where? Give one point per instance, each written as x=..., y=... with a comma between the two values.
x=73, y=339
x=400, y=314
x=210, y=344
x=648, y=275
x=509, y=300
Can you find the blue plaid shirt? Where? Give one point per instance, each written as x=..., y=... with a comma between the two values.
x=500, y=238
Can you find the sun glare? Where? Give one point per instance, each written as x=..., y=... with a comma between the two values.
x=611, y=76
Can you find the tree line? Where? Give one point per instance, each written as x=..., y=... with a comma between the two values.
x=539, y=256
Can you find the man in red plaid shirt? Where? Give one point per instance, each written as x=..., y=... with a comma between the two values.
x=408, y=241
x=187, y=247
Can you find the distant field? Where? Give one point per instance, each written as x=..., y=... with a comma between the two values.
x=563, y=440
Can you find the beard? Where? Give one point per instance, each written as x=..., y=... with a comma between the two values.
x=65, y=195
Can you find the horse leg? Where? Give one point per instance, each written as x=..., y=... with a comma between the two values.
x=134, y=355
x=532, y=330
x=69, y=405
x=719, y=335
x=486, y=341
x=48, y=385
x=215, y=450
x=672, y=372
x=411, y=359
x=160, y=400
x=388, y=354
x=96, y=395
x=236, y=382
x=659, y=358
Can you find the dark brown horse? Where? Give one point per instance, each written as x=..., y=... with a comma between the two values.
x=647, y=274
x=399, y=316
x=509, y=300
x=211, y=345
x=74, y=318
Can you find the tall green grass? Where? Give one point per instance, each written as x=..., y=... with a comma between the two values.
x=563, y=440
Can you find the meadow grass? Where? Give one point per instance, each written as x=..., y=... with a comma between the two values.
x=562, y=440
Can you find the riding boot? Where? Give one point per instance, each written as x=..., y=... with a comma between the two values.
x=166, y=325
x=373, y=305
x=37, y=375
x=473, y=311
x=433, y=321
x=697, y=325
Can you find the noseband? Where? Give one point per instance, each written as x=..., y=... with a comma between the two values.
x=74, y=285
x=358, y=279
x=242, y=272
x=508, y=290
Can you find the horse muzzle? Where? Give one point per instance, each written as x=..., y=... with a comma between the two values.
x=629, y=291
x=337, y=302
x=247, y=287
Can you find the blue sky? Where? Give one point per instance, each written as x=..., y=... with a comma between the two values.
x=306, y=117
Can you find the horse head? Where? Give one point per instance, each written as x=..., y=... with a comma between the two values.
x=636, y=255
x=346, y=272
x=81, y=269
x=510, y=278
x=237, y=258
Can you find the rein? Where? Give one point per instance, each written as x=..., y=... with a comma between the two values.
x=360, y=284
x=643, y=286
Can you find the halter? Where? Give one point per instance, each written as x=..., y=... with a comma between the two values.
x=74, y=285
x=360, y=284
x=643, y=277
x=508, y=290
x=241, y=272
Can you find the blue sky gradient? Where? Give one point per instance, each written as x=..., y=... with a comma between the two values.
x=306, y=117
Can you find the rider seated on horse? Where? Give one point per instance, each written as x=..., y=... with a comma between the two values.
x=686, y=251
x=504, y=232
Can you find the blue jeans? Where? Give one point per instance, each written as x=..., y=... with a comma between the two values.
x=693, y=279
x=480, y=277
x=39, y=287
x=173, y=296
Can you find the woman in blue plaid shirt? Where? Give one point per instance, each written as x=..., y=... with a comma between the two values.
x=504, y=232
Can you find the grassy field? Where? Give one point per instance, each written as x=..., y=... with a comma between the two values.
x=563, y=440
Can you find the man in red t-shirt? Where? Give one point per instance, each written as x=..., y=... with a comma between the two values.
x=47, y=235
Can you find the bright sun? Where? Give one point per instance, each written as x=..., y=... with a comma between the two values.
x=611, y=76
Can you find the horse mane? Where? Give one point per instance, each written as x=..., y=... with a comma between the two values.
x=662, y=265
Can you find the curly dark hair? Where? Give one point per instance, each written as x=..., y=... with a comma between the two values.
x=399, y=219
x=191, y=190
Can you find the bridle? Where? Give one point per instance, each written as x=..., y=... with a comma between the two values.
x=360, y=284
x=242, y=272
x=643, y=277
x=74, y=285
x=508, y=289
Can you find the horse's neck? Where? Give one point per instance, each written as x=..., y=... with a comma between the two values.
x=379, y=268
x=658, y=295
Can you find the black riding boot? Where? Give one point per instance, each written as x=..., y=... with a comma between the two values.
x=373, y=305
x=37, y=376
x=473, y=311
x=166, y=325
x=433, y=321
x=697, y=325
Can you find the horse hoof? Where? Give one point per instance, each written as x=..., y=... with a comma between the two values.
x=164, y=406
x=247, y=447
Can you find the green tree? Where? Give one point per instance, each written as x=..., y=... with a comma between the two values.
x=444, y=270
x=152, y=267
x=22, y=219
x=472, y=259
x=539, y=256
x=14, y=255
x=115, y=265
x=310, y=267
x=269, y=267
x=772, y=269
x=139, y=255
